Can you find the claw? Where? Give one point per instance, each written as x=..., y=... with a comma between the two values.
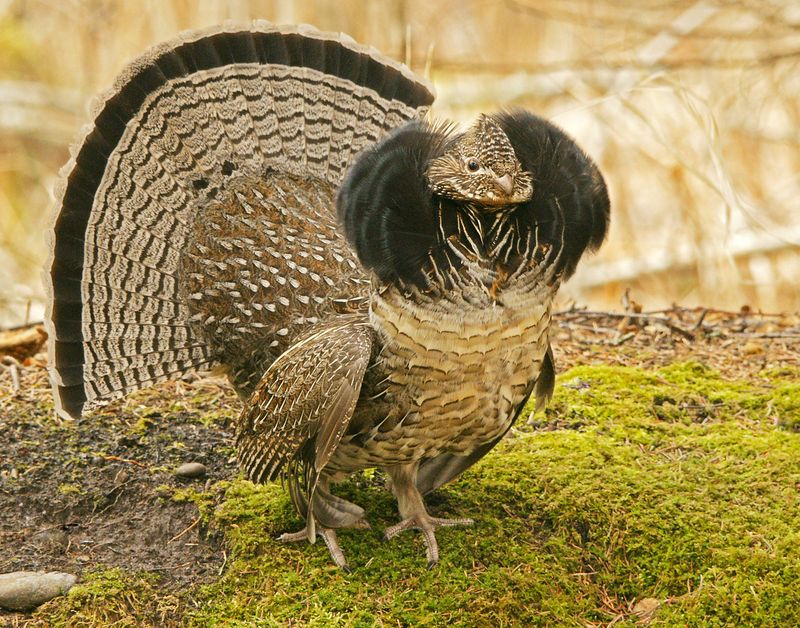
x=328, y=535
x=426, y=525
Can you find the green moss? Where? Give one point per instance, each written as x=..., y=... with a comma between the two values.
x=204, y=500
x=70, y=489
x=111, y=597
x=785, y=403
x=675, y=484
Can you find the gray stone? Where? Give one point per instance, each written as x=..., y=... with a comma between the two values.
x=25, y=590
x=192, y=470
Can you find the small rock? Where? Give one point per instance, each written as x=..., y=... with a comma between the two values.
x=645, y=607
x=192, y=470
x=25, y=590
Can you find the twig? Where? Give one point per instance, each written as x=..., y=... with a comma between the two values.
x=24, y=326
x=700, y=319
x=128, y=460
x=647, y=318
x=180, y=534
x=224, y=562
x=12, y=366
x=749, y=334
x=622, y=339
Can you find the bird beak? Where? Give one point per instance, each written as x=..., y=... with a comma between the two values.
x=506, y=183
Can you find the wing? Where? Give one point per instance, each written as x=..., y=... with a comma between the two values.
x=304, y=402
x=440, y=470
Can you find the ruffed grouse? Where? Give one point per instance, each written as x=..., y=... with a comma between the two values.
x=377, y=287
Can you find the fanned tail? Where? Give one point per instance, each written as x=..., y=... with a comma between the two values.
x=181, y=120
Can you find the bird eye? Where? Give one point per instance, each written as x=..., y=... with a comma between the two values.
x=473, y=165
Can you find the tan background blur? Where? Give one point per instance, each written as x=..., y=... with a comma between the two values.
x=691, y=108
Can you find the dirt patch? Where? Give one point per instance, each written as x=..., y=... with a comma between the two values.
x=101, y=490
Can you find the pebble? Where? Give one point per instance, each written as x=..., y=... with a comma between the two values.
x=192, y=470
x=25, y=590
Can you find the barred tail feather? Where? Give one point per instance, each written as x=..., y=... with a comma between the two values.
x=179, y=121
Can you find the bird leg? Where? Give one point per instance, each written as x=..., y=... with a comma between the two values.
x=328, y=535
x=414, y=515
x=328, y=513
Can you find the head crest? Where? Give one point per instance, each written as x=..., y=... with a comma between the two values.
x=480, y=166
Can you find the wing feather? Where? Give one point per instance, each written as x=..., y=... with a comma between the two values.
x=305, y=400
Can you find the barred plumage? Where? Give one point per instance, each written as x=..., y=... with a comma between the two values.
x=198, y=225
x=181, y=123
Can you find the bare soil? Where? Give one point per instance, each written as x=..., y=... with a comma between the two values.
x=100, y=490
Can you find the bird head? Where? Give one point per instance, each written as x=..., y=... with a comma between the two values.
x=480, y=166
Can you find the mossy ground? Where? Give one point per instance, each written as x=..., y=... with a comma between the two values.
x=674, y=484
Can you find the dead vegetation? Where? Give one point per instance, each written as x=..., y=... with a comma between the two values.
x=736, y=344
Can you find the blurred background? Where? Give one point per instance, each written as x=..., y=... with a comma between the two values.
x=692, y=110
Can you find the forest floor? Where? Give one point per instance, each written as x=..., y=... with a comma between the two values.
x=661, y=486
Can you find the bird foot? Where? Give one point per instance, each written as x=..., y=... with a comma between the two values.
x=425, y=524
x=328, y=535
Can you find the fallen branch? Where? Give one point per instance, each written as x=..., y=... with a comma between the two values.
x=128, y=460
x=632, y=316
x=180, y=534
x=22, y=343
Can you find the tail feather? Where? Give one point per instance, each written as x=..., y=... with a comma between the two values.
x=263, y=117
x=101, y=370
x=158, y=337
x=121, y=383
x=342, y=127
x=113, y=290
x=179, y=122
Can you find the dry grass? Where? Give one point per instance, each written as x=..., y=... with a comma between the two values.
x=690, y=107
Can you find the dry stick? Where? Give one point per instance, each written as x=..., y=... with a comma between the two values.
x=224, y=562
x=621, y=339
x=180, y=534
x=748, y=334
x=663, y=320
x=12, y=366
x=128, y=460
x=700, y=320
x=24, y=326
x=714, y=310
